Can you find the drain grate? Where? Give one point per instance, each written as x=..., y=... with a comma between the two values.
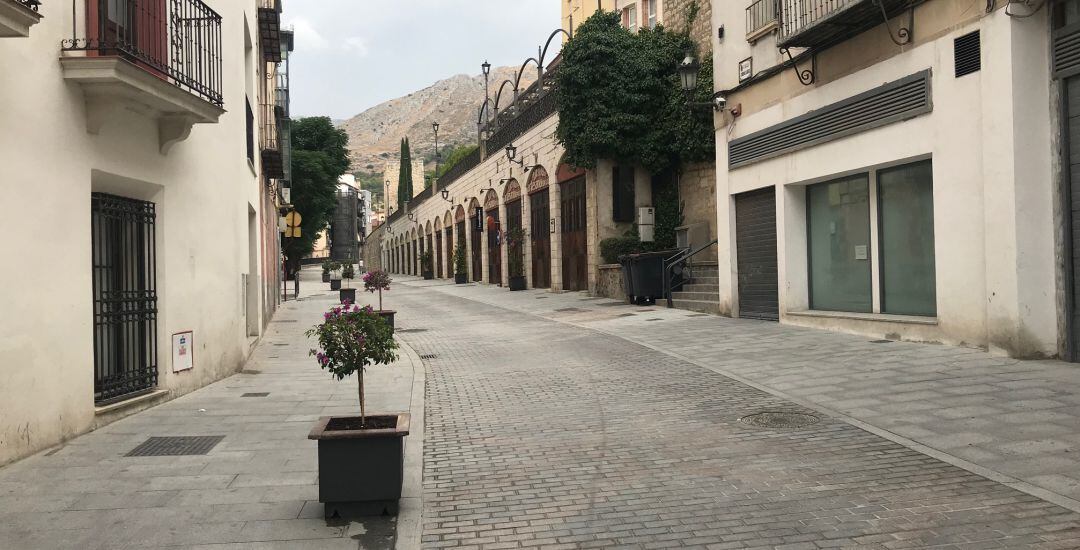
x=700, y=315
x=250, y=371
x=177, y=446
x=626, y=315
x=542, y=297
x=880, y=341
x=613, y=304
x=428, y=356
x=571, y=310
x=413, y=330
x=256, y=394
x=654, y=319
x=280, y=344
x=285, y=321
x=779, y=419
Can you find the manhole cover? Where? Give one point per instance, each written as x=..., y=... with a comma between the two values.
x=256, y=394
x=779, y=420
x=428, y=356
x=177, y=446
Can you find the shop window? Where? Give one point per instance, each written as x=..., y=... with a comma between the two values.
x=906, y=217
x=838, y=220
x=899, y=202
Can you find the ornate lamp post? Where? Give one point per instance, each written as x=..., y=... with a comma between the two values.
x=486, y=68
x=435, y=126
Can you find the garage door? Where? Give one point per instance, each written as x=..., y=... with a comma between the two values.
x=755, y=245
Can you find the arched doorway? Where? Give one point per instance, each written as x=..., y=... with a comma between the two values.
x=513, y=235
x=414, y=257
x=493, y=227
x=575, y=255
x=426, y=241
x=475, y=213
x=539, y=227
x=437, y=250
x=448, y=238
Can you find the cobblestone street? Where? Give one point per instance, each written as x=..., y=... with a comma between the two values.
x=545, y=433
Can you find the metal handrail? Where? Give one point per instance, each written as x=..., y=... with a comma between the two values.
x=675, y=260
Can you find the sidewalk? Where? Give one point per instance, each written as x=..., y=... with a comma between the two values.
x=256, y=488
x=1015, y=422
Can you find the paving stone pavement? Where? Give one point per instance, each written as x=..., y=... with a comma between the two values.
x=256, y=489
x=548, y=434
x=1017, y=419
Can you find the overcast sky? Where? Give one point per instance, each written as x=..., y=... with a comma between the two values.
x=354, y=54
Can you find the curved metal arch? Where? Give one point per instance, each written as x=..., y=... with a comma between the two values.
x=543, y=53
x=480, y=112
x=498, y=95
x=521, y=71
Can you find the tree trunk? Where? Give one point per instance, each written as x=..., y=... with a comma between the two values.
x=363, y=413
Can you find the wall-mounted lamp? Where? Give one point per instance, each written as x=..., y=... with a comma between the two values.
x=688, y=73
x=446, y=196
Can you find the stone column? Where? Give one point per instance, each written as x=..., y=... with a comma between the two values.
x=504, y=250
x=526, y=247
x=555, y=205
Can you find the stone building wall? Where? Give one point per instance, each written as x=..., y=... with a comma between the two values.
x=675, y=17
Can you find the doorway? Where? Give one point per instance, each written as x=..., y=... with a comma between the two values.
x=575, y=253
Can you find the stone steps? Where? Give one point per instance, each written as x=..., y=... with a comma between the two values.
x=699, y=306
x=696, y=296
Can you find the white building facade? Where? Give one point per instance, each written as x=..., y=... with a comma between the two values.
x=143, y=258
x=899, y=180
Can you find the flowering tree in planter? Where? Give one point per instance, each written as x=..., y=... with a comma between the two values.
x=351, y=338
x=377, y=281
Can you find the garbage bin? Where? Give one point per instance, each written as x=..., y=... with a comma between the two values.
x=643, y=275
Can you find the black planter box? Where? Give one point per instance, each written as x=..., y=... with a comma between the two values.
x=335, y=284
x=347, y=295
x=326, y=277
x=517, y=283
x=388, y=316
x=361, y=471
x=429, y=275
x=461, y=278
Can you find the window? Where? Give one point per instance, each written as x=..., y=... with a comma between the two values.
x=629, y=16
x=622, y=193
x=838, y=219
x=652, y=12
x=125, y=297
x=250, y=131
x=906, y=214
x=842, y=215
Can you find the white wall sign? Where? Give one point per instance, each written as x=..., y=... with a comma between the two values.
x=183, y=351
x=746, y=69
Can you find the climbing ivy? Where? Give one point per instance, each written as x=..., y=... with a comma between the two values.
x=620, y=97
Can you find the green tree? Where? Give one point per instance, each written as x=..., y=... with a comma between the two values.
x=619, y=97
x=454, y=155
x=405, y=186
x=319, y=159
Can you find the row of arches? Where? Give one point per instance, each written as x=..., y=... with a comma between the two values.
x=513, y=236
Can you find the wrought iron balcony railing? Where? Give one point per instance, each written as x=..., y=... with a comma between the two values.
x=822, y=23
x=179, y=41
x=760, y=17
x=32, y=4
x=270, y=30
x=270, y=144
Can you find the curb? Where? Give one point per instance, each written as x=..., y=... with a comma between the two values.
x=411, y=506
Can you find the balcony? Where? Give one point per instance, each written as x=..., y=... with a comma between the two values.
x=822, y=23
x=17, y=16
x=162, y=60
x=760, y=19
x=270, y=30
x=270, y=145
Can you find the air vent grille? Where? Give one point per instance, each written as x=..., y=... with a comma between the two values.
x=967, y=52
x=892, y=102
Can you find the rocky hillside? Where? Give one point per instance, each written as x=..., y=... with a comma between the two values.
x=375, y=134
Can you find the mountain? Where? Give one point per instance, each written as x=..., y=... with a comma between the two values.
x=375, y=135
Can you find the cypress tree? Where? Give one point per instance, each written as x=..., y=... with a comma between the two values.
x=407, y=162
x=402, y=173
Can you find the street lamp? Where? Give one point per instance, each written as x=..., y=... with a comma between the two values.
x=486, y=68
x=688, y=71
x=435, y=126
x=446, y=196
